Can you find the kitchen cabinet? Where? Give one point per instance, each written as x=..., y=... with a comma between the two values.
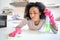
x=19, y=4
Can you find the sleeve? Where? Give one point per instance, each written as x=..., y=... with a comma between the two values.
x=53, y=30
x=22, y=23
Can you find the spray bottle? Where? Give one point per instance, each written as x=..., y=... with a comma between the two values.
x=47, y=25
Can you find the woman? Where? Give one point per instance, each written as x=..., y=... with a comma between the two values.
x=35, y=17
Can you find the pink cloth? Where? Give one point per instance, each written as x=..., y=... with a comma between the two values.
x=17, y=31
x=48, y=13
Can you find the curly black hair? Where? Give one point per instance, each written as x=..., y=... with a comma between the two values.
x=39, y=5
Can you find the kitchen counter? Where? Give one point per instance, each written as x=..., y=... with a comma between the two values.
x=29, y=35
x=3, y=32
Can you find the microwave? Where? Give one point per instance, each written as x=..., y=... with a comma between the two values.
x=3, y=21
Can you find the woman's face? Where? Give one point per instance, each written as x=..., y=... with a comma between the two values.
x=34, y=13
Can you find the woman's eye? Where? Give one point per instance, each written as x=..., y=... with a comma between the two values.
x=30, y=13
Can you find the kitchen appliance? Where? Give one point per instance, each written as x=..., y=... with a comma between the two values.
x=3, y=21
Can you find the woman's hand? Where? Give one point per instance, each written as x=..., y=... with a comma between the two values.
x=48, y=13
x=17, y=31
x=52, y=21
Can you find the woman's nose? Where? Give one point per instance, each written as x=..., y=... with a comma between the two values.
x=32, y=15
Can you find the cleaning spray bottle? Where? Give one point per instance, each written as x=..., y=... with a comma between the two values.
x=47, y=25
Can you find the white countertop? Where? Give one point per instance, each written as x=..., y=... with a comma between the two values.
x=3, y=33
x=29, y=35
x=36, y=35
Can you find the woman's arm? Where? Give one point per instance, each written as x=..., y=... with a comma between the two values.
x=22, y=23
x=54, y=28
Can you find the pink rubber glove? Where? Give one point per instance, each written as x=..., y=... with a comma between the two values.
x=17, y=31
x=12, y=34
x=48, y=13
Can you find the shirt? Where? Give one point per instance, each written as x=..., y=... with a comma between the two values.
x=32, y=26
